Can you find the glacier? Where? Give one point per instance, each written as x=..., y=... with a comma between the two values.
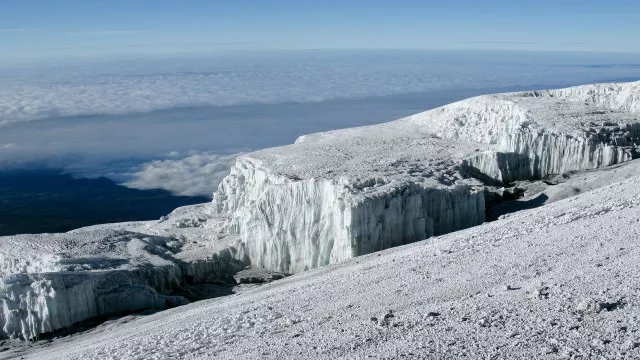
x=345, y=193
x=326, y=198
x=52, y=281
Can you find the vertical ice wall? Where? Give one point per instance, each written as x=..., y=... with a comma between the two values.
x=290, y=224
x=410, y=213
x=54, y=296
x=294, y=225
x=552, y=153
x=531, y=154
x=522, y=126
x=38, y=303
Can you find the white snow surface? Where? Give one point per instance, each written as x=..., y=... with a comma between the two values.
x=325, y=199
x=558, y=281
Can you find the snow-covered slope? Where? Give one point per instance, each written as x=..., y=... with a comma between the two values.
x=327, y=198
x=553, y=282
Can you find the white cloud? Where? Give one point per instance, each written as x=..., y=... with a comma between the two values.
x=127, y=86
x=194, y=175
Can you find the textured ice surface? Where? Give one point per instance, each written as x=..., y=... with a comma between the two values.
x=327, y=198
x=344, y=193
x=544, y=132
x=335, y=199
x=52, y=281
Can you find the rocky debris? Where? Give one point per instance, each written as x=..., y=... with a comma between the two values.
x=540, y=291
x=591, y=305
x=384, y=320
x=631, y=344
x=258, y=276
x=190, y=223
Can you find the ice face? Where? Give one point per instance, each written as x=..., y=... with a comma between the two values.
x=521, y=281
x=292, y=226
x=351, y=193
x=43, y=302
x=52, y=281
x=344, y=193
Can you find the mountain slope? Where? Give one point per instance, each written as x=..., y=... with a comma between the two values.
x=555, y=281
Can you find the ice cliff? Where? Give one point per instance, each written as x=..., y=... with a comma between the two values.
x=345, y=193
x=290, y=223
x=328, y=197
x=52, y=281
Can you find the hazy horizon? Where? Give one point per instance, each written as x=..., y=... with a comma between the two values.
x=42, y=29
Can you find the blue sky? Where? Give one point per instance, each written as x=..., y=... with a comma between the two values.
x=70, y=28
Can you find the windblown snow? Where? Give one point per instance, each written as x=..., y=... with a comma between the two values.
x=325, y=199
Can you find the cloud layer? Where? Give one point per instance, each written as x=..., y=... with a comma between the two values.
x=128, y=86
x=194, y=175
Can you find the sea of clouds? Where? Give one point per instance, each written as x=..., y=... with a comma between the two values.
x=193, y=175
x=178, y=122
